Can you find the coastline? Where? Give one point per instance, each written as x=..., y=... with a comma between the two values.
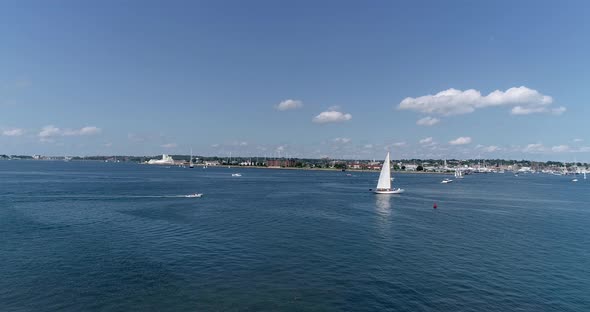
x=334, y=170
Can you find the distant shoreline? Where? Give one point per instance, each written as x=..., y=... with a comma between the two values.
x=328, y=169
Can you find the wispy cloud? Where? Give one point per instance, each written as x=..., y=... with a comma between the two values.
x=427, y=140
x=427, y=121
x=289, y=105
x=560, y=148
x=342, y=140
x=169, y=145
x=13, y=132
x=460, y=141
x=48, y=133
x=331, y=116
x=523, y=101
x=534, y=148
x=489, y=149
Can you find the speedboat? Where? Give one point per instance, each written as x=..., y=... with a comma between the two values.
x=236, y=174
x=445, y=181
x=196, y=195
x=575, y=180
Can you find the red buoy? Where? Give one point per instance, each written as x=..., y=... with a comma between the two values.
x=434, y=206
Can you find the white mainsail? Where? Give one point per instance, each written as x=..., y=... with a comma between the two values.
x=385, y=176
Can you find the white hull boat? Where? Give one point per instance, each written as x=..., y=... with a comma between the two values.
x=196, y=195
x=390, y=191
x=384, y=184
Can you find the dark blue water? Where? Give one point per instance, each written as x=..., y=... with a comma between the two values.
x=84, y=236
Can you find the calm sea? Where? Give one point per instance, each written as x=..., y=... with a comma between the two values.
x=89, y=236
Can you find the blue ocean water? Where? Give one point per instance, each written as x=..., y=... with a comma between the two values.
x=90, y=236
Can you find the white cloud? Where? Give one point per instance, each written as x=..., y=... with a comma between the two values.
x=288, y=105
x=453, y=102
x=519, y=110
x=558, y=111
x=47, y=133
x=169, y=145
x=560, y=148
x=342, y=140
x=331, y=116
x=368, y=146
x=427, y=121
x=109, y=144
x=491, y=148
x=215, y=145
x=460, y=141
x=534, y=148
x=427, y=140
x=399, y=144
x=90, y=130
x=13, y=132
x=578, y=140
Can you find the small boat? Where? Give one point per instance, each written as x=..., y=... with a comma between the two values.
x=445, y=181
x=191, y=165
x=196, y=195
x=236, y=174
x=575, y=180
x=384, y=184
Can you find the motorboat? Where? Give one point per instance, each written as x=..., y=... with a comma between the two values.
x=196, y=195
x=236, y=174
x=445, y=181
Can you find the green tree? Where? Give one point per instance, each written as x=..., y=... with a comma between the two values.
x=419, y=168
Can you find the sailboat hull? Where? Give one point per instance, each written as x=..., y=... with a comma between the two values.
x=392, y=191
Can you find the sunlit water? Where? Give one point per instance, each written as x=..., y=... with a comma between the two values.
x=86, y=236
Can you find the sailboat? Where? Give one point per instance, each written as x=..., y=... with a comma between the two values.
x=384, y=184
x=191, y=161
x=584, y=172
x=458, y=174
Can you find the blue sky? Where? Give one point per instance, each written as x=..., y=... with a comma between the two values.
x=422, y=79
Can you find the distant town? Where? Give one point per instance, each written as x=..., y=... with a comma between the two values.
x=411, y=165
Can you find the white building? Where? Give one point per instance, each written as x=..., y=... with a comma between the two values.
x=166, y=160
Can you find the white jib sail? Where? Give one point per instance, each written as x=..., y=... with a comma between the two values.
x=385, y=176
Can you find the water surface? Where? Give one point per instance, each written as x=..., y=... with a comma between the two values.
x=90, y=236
